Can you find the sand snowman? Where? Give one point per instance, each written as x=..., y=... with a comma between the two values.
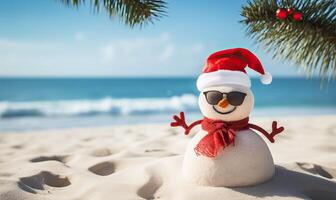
x=226, y=151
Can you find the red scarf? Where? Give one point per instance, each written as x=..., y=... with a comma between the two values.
x=220, y=135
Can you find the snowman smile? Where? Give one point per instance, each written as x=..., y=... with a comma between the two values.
x=223, y=113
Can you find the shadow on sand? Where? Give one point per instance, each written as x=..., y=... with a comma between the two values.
x=288, y=183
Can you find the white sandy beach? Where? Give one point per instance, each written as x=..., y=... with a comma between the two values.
x=144, y=162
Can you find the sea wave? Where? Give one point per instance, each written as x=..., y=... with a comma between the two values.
x=110, y=106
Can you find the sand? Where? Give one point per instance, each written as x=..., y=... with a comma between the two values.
x=144, y=162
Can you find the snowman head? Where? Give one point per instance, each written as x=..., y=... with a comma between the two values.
x=225, y=87
x=227, y=102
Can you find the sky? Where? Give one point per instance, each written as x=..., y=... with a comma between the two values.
x=44, y=38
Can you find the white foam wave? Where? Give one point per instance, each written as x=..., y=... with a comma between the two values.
x=108, y=105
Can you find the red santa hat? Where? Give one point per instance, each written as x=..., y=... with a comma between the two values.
x=228, y=67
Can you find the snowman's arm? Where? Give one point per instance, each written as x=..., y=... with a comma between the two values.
x=180, y=121
x=270, y=136
x=192, y=125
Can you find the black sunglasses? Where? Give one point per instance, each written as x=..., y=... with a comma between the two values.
x=234, y=98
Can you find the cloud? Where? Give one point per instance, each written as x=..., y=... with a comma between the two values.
x=25, y=45
x=137, y=50
x=127, y=56
x=167, y=53
x=79, y=36
x=108, y=53
x=197, y=48
x=39, y=58
x=152, y=55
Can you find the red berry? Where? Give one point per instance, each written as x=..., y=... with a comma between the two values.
x=297, y=16
x=290, y=11
x=281, y=13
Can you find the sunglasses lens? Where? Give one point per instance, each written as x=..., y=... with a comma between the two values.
x=236, y=98
x=213, y=97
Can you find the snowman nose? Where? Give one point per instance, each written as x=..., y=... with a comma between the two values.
x=223, y=103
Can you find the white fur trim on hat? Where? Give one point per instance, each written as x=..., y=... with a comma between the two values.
x=222, y=77
x=266, y=78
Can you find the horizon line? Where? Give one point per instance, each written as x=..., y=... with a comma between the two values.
x=135, y=77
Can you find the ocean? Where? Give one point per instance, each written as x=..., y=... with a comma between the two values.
x=41, y=103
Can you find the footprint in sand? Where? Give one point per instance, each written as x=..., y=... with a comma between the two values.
x=87, y=139
x=327, y=148
x=149, y=189
x=323, y=171
x=101, y=152
x=332, y=130
x=153, y=150
x=62, y=159
x=18, y=146
x=159, y=152
x=5, y=174
x=173, y=132
x=42, y=179
x=103, y=169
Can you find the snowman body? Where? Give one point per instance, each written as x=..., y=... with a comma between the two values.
x=247, y=162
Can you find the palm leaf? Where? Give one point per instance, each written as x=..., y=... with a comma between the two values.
x=310, y=43
x=131, y=12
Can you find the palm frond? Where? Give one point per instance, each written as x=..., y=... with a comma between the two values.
x=131, y=12
x=310, y=43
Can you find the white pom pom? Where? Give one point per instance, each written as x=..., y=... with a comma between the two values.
x=266, y=78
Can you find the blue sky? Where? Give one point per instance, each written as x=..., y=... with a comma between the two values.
x=46, y=38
